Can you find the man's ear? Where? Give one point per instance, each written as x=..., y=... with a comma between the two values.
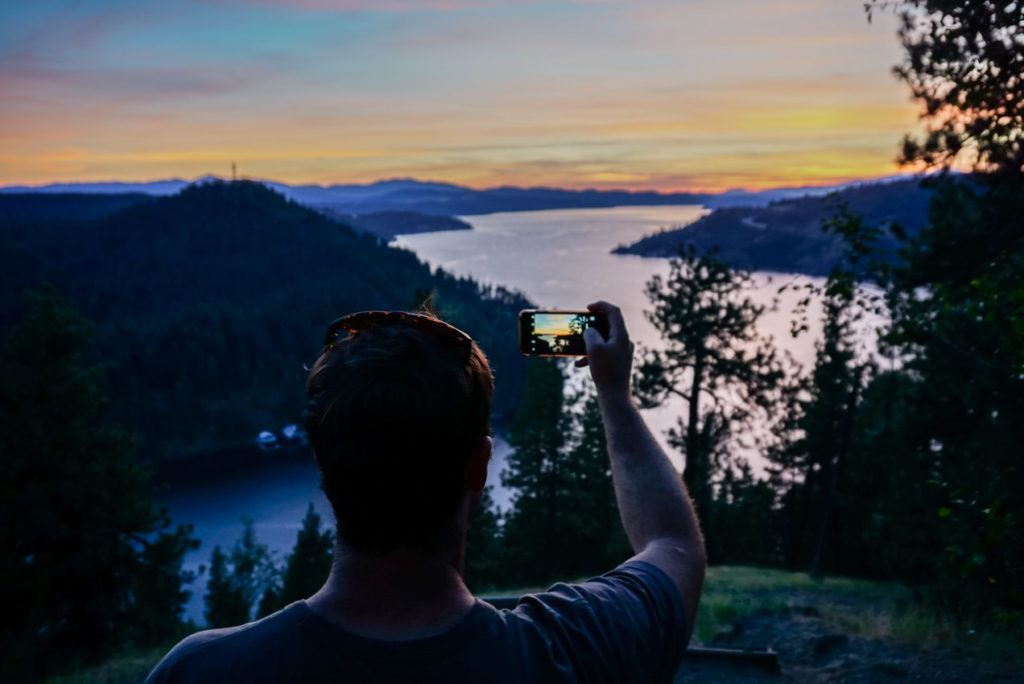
x=476, y=466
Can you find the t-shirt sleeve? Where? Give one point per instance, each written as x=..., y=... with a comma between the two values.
x=626, y=625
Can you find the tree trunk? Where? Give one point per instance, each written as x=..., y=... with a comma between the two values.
x=695, y=473
x=796, y=551
x=836, y=468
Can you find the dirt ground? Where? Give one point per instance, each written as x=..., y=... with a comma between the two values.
x=810, y=650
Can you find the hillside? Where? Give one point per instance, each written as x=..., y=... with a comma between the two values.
x=70, y=206
x=786, y=235
x=211, y=301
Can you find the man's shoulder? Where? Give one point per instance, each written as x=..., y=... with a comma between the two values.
x=631, y=582
x=616, y=626
x=214, y=651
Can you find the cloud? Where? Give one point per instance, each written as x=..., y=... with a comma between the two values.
x=33, y=80
x=390, y=5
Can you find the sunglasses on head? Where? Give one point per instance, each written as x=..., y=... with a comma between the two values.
x=364, y=320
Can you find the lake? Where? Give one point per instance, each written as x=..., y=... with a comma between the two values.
x=560, y=259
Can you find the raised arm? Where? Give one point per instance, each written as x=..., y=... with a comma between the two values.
x=656, y=511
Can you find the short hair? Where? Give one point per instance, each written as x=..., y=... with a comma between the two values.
x=393, y=414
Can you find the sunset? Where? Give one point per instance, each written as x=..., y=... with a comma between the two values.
x=512, y=341
x=552, y=324
x=662, y=95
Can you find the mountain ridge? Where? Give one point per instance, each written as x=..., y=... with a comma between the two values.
x=449, y=199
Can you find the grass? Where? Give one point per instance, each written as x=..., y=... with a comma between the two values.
x=733, y=591
x=874, y=610
x=127, y=668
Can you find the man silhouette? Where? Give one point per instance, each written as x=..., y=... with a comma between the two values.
x=398, y=416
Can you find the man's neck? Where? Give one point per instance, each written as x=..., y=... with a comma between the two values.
x=397, y=597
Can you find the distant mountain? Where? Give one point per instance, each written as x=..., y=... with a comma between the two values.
x=762, y=198
x=447, y=199
x=210, y=302
x=787, y=235
x=405, y=195
x=161, y=188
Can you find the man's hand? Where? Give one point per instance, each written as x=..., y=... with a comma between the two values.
x=610, y=360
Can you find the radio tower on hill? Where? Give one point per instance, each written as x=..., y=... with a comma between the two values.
x=234, y=172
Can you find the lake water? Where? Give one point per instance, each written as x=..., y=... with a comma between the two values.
x=560, y=259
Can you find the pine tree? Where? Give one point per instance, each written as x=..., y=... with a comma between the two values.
x=226, y=604
x=827, y=424
x=159, y=595
x=963, y=62
x=715, y=361
x=485, y=557
x=603, y=543
x=531, y=533
x=564, y=522
x=239, y=579
x=76, y=511
x=310, y=560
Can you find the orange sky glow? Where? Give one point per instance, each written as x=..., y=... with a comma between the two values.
x=650, y=94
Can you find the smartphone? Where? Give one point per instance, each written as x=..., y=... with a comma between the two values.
x=557, y=333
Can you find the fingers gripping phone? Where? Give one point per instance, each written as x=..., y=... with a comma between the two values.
x=557, y=333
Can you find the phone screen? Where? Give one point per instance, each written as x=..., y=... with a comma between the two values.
x=557, y=333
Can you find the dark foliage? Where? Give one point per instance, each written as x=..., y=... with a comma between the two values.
x=239, y=580
x=64, y=206
x=563, y=522
x=923, y=473
x=88, y=562
x=485, y=559
x=248, y=577
x=955, y=409
x=816, y=461
x=225, y=604
x=310, y=561
x=964, y=339
x=964, y=62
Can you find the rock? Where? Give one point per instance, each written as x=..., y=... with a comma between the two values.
x=824, y=648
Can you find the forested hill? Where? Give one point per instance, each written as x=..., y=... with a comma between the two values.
x=787, y=235
x=211, y=301
x=72, y=206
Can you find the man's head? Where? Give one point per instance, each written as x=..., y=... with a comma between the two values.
x=397, y=414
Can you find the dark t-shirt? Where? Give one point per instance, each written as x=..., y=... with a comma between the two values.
x=625, y=626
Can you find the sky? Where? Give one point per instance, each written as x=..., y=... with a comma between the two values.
x=551, y=324
x=670, y=95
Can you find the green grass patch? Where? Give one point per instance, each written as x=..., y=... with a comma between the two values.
x=873, y=610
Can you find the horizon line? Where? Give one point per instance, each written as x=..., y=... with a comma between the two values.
x=795, y=185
